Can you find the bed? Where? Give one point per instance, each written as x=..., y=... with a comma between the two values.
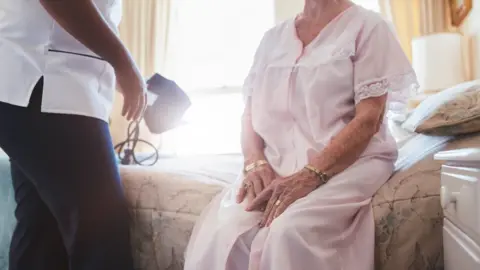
x=167, y=199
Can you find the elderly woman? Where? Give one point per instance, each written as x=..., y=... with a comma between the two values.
x=315, y=145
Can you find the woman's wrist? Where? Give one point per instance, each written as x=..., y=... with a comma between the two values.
x=253, y=157
x=121, y=59
x=322, y=176
x=254, y=165
x=323, y=162
x=253, y=160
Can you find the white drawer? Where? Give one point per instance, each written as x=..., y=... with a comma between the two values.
x=460, y=251
x=460, y=197
x=460, y=191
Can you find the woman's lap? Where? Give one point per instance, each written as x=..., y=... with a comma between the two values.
x=333, y=218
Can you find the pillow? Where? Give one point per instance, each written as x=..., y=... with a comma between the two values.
x=400, y=135
x=447, y=109
x=458, y=116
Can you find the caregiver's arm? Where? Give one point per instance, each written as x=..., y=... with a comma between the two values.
x=82, y=20
x=345, y=148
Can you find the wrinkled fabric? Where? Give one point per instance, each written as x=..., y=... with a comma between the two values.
x=301, y=98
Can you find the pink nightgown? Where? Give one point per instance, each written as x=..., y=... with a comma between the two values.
x=302, y=97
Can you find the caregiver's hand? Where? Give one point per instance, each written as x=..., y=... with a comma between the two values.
x=282, y=193
x=255, y=181
x=132, y=87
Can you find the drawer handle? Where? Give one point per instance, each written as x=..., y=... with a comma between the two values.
x=447, y=198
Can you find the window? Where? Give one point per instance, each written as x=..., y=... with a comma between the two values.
x=212, y=45
x=213, y=41
x=369, y=4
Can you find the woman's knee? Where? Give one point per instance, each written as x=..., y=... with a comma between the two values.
x=283, y=226
x=292, y=225
x=238, y=226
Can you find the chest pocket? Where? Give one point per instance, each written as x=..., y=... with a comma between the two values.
x=328, y=54
x=326, y=74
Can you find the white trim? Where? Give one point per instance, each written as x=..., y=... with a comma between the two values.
x=467, y=154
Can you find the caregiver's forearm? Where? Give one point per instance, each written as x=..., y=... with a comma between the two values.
x=82, y=20
x=345, y=148
x=252, y=144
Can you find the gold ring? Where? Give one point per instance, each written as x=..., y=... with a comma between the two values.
x=277, y=203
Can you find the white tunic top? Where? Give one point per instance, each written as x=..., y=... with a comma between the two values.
x=302, y=97
x=32, y=45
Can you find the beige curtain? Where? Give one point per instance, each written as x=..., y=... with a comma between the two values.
x=413, y=18
x=435, y=17
x=145, y=31
x=405, y=15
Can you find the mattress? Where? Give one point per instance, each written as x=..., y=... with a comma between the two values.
x=167, y=199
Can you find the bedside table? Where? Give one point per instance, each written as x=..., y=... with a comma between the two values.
x=460, y=199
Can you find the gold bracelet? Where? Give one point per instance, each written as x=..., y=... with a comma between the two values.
x=321, y=175
x=254, y=165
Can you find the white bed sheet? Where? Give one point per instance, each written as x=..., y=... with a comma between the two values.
x=413, y=147
x=224, y=169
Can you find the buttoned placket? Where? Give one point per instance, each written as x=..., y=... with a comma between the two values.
x=292, y=81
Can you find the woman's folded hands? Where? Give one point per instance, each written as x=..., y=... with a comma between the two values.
x=281, y=193
x=265, y=191
x=258, y=175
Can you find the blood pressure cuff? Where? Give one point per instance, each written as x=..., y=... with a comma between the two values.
x=169, y=104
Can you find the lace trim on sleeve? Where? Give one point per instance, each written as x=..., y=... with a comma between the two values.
x=399, y=88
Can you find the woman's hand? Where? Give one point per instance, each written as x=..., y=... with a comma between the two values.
x=282, y=193
x=255, y=181
x=132, y=87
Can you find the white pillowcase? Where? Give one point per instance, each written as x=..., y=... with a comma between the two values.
x=417, y=148
x=432, y=103
x=400, y=134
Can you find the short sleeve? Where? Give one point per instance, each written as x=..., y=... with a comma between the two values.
x=256, y=68
x=381, y=67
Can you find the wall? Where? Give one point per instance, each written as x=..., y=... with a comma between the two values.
x=472, y=29
x=473, y=23
x=285, y=9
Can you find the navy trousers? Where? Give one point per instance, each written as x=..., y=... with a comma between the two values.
x=71, y=210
